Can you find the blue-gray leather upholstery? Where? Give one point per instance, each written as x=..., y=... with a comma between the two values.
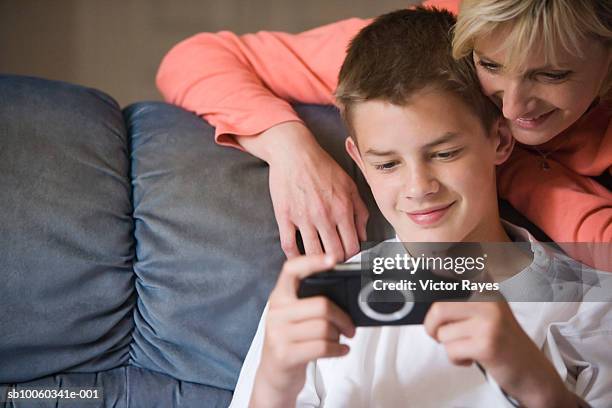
x=136, y=255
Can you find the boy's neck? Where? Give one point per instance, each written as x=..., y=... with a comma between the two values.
x=503, y=261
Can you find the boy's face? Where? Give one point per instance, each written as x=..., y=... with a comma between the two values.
x=431, y=167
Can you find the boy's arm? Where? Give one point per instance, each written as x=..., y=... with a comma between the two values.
x=297, y=332
x=242, y=85
x=488, y=333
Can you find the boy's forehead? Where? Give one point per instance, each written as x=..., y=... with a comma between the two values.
x=427, y=119
x=447, y=137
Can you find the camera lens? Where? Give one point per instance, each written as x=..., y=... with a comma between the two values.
x=388, y=301
x=389, y=306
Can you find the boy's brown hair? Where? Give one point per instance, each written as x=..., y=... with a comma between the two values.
x=402, y=53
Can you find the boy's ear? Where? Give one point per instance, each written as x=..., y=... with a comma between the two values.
x=505, y=141
x=353, y=151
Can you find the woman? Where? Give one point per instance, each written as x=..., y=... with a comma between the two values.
x=545, y=63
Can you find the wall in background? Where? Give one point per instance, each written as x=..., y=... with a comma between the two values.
x=116, y=45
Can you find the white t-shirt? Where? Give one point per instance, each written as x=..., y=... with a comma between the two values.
x=393, y=366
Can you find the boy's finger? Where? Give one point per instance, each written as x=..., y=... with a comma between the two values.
x=314, y=329
x=456, y=331
x=305, y=352
x=461, y=352
x=320, y=307
x=442, y=313
x=297, y=269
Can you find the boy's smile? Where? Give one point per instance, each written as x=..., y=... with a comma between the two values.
x=431, y=216
x=431, y=167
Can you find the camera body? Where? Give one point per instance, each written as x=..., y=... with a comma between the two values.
x=389, y=299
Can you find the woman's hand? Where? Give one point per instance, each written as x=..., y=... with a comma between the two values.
x=488, y=333
x=310, y=193
x=297, y=331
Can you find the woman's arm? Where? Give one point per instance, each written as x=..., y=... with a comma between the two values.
x=243, y=85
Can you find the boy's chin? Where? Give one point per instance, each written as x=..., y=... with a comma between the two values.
x=438, y=234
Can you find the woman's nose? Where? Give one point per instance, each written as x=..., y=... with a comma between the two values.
x=516, y=99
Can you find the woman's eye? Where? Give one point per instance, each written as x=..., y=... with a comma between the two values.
x=385, y=166
x=554, y=76
x=447, y=155
x=489, y=66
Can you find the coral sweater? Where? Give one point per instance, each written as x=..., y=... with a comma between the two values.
x=244, y=85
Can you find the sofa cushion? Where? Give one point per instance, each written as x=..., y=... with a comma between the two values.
x=207, y=250
x=208, y=247
x=122, y=387
x=66, y=244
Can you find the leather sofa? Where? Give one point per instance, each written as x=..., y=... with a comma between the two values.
x=136, y=255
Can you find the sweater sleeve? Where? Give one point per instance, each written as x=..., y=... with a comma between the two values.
x=244, y=84
x=567, y=206
x=450, y=5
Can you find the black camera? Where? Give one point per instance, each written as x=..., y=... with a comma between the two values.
x=396, y=297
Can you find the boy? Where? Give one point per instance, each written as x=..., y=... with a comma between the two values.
x=427, y=142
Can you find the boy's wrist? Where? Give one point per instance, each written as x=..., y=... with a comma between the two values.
x=267, y=394
x=551, y=393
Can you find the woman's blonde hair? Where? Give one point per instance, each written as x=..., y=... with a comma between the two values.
x=534, y=23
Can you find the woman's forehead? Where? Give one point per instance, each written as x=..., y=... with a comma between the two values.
x=537, y=53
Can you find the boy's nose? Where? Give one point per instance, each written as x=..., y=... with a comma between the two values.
x=420, y=184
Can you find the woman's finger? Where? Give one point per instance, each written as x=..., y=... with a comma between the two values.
x=288, y=242
x=310, y=239
x=349, y=236
x=361, y=216
x=331, y=241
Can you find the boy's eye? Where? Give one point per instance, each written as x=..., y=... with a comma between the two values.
x=556, y=76
x=446, y=155
x=489, y=66
x=385, y=166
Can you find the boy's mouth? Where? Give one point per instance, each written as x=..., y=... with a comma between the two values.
x=429, y=216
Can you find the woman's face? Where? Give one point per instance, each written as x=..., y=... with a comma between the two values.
x=543, y=100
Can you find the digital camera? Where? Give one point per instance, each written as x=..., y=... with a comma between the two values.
x=393, y=298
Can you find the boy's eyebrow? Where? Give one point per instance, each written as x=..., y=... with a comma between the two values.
x=374, y=152
x=446, y=137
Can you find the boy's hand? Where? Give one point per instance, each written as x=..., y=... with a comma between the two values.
x=488, y=333
x=297, y=331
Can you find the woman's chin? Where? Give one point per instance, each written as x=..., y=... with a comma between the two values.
x=533, y=137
